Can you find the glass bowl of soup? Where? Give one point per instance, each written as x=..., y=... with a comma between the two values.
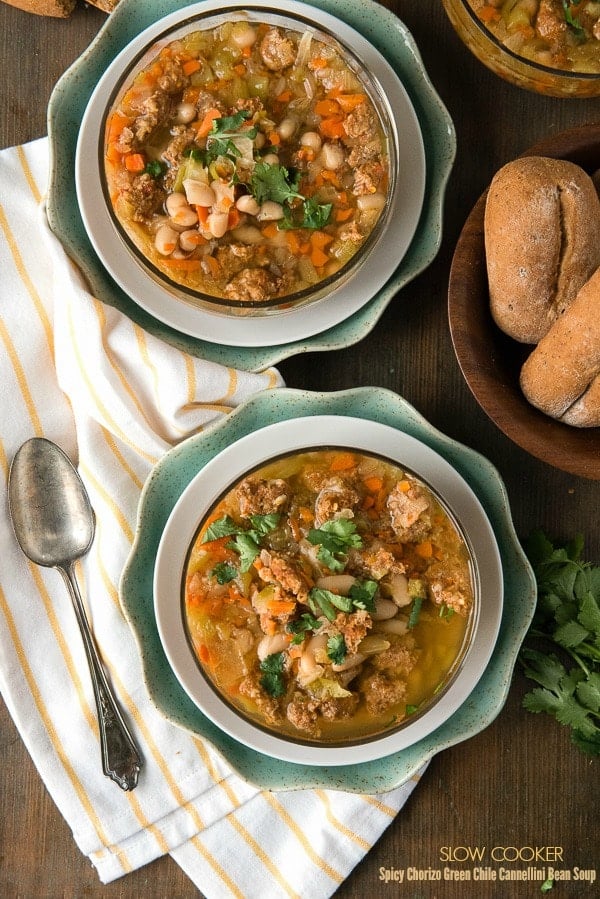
x=249, y=162
x=548, y=46
x=328, y=592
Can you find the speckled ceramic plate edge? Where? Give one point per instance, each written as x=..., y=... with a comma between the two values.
x=68, y=102
x=166, y=483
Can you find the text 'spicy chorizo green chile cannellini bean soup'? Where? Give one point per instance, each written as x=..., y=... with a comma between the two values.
x=248, y=162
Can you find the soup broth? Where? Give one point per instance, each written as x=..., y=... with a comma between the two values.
x=247, y=161
x=328, y=596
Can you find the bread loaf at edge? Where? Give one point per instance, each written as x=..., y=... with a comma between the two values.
x=566, y=362
x=585, y=412
x=58, y=9
x=542, y=241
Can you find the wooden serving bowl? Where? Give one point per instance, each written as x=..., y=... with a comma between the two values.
x=490, y=360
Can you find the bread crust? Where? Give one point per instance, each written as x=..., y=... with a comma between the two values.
x=542, y=239
x=58, y=9
x=559, y=376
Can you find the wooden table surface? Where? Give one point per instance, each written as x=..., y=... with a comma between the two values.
x=518, y=784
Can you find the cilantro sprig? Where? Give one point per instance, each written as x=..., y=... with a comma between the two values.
x=334, y=539
x=272, y=669
x=247, y=541
x=277, y=183
x=561, y=653
x=573, y=23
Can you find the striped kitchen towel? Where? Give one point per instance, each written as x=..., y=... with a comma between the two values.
x=116, y=399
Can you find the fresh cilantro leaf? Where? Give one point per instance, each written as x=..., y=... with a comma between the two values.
x=310, y=214
x=411, y=709
x=264, y=524
x=415, y=612
x=272, y=680
x=224, y=572
x=446, y=612
x=222, y=527
x=302, y=626
x=155, y=168
x=320, y=603
x=337, y=649
x=362, y=594
x=247, y=547
x=274, y=182
x=334, y=538
x=570, y=19
x=229, y=124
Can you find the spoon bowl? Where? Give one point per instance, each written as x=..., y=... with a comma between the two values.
x=54, y=524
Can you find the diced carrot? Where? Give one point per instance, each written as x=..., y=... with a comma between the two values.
x=284, y=96
x=330, y=177
x=190, y=94
x=270, y=230
x=274, y=138
x=184, y=265
x=115, y=126
x=135, y=162
x=203, y=212
x=215, y=268
x=294, y=652
x=373, y=484
x=207, y=122
x=343, y=462
x=240, y=69
x=112, y=153
x=332, y=127
x=247, y=52
x=424, y=549
x=368, y=502
x=281, y=606
x=307, y=515
x=317, y=63
x=327, y=108
x=234, y=218
x=342, y=215
x=293, y=242
x=489, y=14
x=204, y=654
x=191, y=66
x=404, y=486
x=348, y=102
x=320, y=239
x=318, y=257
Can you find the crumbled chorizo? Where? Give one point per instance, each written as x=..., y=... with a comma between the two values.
x=262, y=497
x=255, y=284
x=381, y=693
x=144, y=196
x=409, y=511
x=277, y=51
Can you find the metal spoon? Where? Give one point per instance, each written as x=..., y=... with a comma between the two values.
x=54, y=524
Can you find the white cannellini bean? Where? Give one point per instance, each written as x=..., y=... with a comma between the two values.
x=271, y=159
x=217, y=223
x=174, y=202
x=287, y=127
x=308, y=667
x=384, y=608
x=186, y=112
x=270, y=211
x=243, y=35
x=184, y=217
x=165, y=240
x=247, y=203
x=312, y=140
x=248, y=234
x=370, y=202
x=271, y=644
x=332, y=157
x=337, y=583
x=199, y=193
x=188, y=240
x=397, y=589
x=392, y=626
x=350, y=662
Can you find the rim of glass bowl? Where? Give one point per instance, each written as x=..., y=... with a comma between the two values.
x=206, y=21
x=569, y=74
x=457, y=662
x=256, y=449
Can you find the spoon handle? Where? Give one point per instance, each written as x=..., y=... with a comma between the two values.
x=121, y=760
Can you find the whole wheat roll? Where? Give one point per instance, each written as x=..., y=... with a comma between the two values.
x=585, y=412
x=542, y=241
x=58, y=9
x=566, y=362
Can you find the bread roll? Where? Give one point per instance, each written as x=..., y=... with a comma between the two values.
x=104, y=5
x=559, y=377
x=542, y=240
x=59, y=9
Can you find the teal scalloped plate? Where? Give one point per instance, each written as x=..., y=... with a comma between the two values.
x=166, y=484
x=69, y=100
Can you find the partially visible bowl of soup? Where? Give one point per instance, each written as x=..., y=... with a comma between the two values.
x=249, y=160
x=548, y=46
x=328, y=591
